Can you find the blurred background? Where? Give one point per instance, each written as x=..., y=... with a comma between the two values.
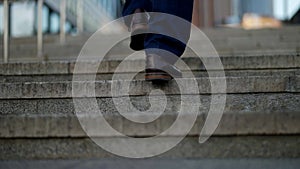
x=248, y=14
x=57, y=29
x=23, y=15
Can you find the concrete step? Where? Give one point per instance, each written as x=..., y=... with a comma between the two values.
x=67, y=52
x=226, y=41
x=212, y=33
x=227, y=46
x=70, y=55
x=253, y=84
x=49, y=77
x=229, y=32
x=276, y=147
x=245, y=114
x=216, y=40
x=110, y=64
x=156, y=163
x=47, y=39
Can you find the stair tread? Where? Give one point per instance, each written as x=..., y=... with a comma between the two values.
x=264, y=84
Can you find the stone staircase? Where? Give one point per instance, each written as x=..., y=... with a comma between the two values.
x=227, y=42
x=261, y=118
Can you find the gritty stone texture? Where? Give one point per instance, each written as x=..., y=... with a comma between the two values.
x=244, y=114
x=265, y=84
x=176, y=163
x=225, y=41
x=34, y=68
x=242, y=61
x=235, y=103
x=215, y=147
x=140, y=76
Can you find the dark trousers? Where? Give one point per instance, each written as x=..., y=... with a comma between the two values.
x=180, y=31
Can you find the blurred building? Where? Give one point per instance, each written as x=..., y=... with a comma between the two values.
x=207, y=13
x=94, y=12
x=210, y=13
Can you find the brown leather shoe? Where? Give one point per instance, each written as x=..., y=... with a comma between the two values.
x=156, y=75
x=157, y=69
x=139, y=25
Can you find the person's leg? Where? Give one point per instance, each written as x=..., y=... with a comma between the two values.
x=163, y=23
x=179, y=8
x=131, y=5
x=137, y=21
x=163, y=51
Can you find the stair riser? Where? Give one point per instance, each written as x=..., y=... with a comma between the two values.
x=229, y=63
x=141, y=76
x=103, y=88
x=164, y=163
x=251, y=114
x=216, y=147
x=231, y=124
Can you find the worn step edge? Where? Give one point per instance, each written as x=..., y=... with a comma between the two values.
x=141, y=75
x=164, y=163
x=215, y=147
x=243, y=114
x=231, y=124
x=141, y=87
x=109, y=66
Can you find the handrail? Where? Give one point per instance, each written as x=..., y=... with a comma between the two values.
x=5, y=31
x=40, y=29
x=71, y=10
x=94, y=13
x=62, y=34
x=79, y=20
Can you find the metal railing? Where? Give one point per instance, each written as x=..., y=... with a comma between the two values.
x=40, y=29
x=5, y=31
x=71, y=10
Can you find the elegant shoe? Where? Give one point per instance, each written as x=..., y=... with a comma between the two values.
x=159, y=70
x=139, y=25
x=156, y=75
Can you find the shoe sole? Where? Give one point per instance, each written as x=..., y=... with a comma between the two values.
x=157, y=77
